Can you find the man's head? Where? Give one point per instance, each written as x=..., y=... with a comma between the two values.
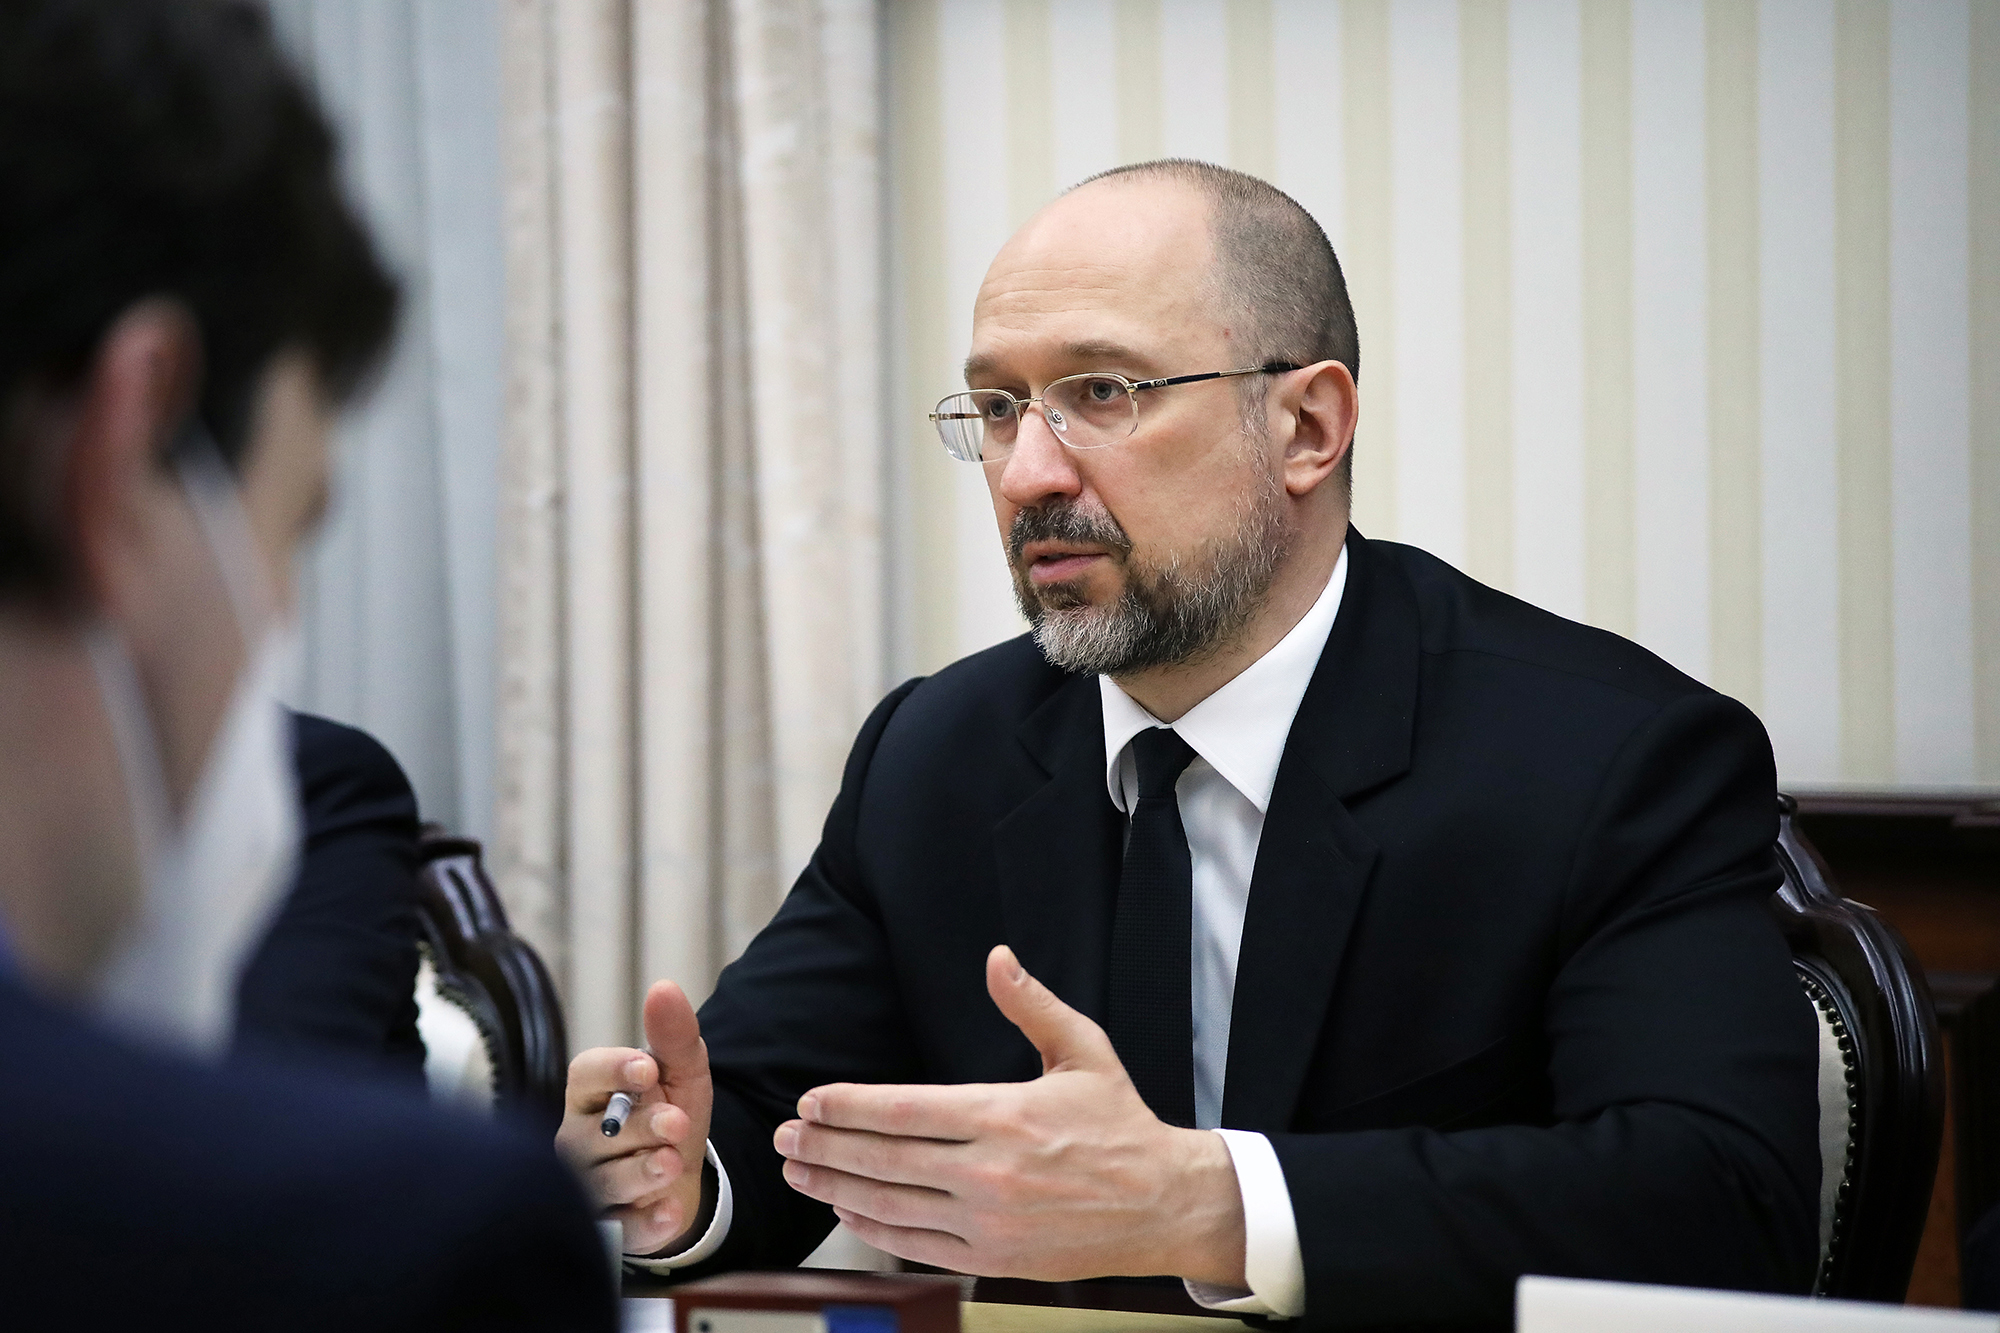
x=1162, y=549
x=178, y=273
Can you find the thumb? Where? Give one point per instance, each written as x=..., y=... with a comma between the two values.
x=674, y=1034
x=1066, y=1039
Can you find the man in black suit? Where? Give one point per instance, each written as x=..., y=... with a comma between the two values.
x=335, y=975
x=184, y=300
x=1289, y=914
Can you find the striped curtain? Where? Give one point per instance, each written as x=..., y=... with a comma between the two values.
x=1679, y=318
x=690, y=619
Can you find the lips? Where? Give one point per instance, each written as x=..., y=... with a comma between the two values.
x=1053, y=547
x=1060, y=569
x=1054, y=562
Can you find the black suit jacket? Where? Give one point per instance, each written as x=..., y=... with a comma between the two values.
x=335, y=976
x=138, y=1190
x=1979, y=1265
x=1509, y=998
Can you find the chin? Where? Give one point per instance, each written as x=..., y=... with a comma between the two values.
x=1069, y=595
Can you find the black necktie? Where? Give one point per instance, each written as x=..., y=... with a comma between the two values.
x=1150, y=1009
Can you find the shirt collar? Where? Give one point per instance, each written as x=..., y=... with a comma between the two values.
x=1241, y=728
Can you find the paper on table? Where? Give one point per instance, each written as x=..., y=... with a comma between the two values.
x=1572, y=1305
x=649, y=1315
x=612, y=1233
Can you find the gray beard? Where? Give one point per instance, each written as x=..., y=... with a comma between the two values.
x=1175, y=614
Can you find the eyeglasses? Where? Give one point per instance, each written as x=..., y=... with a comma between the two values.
x=1085, y=411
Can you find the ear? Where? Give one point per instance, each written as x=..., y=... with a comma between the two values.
x=1322, y=406
x=140, y=387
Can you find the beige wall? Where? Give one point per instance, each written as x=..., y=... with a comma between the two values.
x=1678, y=318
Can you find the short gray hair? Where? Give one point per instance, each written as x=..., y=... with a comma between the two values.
x=1274, y=268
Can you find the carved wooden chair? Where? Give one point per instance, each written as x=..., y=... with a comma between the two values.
x=1881, y=1085
x=487, y=1008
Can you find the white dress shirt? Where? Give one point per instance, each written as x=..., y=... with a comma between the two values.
x=1238, y=735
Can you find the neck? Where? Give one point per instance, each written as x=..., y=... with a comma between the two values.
x=66, y=855
x=1168, y=692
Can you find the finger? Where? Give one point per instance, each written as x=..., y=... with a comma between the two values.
x=678, y=1192
x=950, y=1112
x=939, y=1249
x=635, y=1177
x=653, y=1223
x=885, y=1157
x=896, y=1205
x=654, y=1124
x=674, y=1033
x=657, y=1123
x=1066, y=1039
x=597, y=1073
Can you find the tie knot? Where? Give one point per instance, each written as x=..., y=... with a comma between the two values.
x=1161, y=755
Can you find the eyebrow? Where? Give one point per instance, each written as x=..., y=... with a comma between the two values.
x=1098, y=350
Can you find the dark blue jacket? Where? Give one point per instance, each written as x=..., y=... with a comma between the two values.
x=139, y=1190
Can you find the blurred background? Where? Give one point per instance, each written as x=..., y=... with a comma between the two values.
x=1680, y=318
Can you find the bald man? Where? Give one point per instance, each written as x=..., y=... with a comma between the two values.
x=1287, y=913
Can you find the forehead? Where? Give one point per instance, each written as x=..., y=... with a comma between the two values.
x=1113, y=264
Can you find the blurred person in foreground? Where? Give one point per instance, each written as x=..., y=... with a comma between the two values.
x=184, y=299
x=1288, y=913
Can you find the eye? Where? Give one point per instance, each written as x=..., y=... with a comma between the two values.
x=1099, y=391
x=996, y=406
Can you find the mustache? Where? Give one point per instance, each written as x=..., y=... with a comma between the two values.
x=1066, y=521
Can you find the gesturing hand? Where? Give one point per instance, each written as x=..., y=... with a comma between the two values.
x=649, y=1176
x=1066, y=1176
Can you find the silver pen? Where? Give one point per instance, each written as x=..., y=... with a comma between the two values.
x=615, y=1114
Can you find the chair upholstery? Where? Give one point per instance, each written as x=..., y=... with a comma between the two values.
x=463, y=1038
x=1881, y=1076
x=479, y=967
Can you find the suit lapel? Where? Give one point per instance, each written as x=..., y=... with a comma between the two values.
x=1057, y=853
x=1352, y=734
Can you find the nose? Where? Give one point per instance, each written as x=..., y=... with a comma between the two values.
x=1041, y=467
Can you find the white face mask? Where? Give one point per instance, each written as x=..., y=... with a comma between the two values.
x=213, y=883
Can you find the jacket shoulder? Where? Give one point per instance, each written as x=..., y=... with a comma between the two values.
x=343, y=771
x=1461, y=616
x=988, y=693
x=321, y=743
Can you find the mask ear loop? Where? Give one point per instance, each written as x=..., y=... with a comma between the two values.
x=212, y=493
x=132, y=734
x=198, y=461
x=166, y=977
x=215, y=495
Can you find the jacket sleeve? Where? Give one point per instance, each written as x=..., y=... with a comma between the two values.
x=1682, y=1060
x=335, y=975
x=811, y=1001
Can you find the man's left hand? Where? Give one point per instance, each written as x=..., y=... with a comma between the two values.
x=1063, y=1177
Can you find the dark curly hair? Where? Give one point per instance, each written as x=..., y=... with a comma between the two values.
x=165, y=148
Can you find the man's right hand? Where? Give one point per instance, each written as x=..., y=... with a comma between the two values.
x=649, y=1176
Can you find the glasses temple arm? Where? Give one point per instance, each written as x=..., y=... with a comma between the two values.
x=1268, y=368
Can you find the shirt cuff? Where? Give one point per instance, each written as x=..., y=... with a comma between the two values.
x=1272, y=1264
x=711, y=1239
